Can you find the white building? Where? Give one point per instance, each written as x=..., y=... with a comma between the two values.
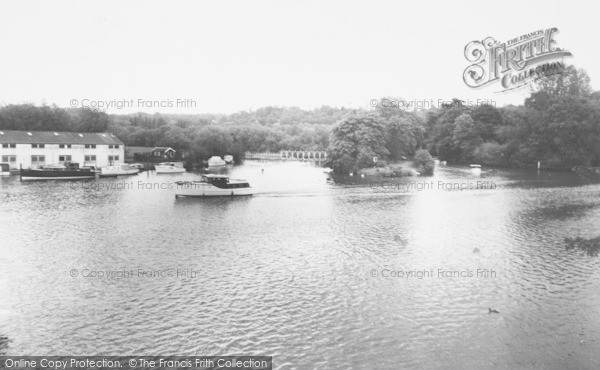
x=36, y=148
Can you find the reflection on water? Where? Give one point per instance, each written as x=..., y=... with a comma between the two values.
x=303, y=269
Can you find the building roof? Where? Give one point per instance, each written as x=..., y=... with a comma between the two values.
x=165, y=148
x=57, y=137
x=138, y=149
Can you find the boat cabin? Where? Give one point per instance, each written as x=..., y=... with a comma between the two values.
x=223, y=182
x=66, y=166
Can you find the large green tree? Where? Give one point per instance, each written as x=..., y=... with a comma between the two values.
x=355, y=141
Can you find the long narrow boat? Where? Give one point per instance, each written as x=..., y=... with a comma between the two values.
x=211, y=185
x=68, y=171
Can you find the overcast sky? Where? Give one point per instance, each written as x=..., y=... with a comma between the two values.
x=228, y=56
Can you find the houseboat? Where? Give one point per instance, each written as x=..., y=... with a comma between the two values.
x=211, y=185
x=169, y=167
x=216, y=161
x=119, y=170
x=66, y=171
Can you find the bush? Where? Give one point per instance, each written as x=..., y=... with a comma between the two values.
x=398, y=172
x=424, y=162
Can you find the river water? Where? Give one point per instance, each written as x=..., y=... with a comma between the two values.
x=318, y=273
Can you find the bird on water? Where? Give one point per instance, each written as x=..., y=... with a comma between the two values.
x=493, y=311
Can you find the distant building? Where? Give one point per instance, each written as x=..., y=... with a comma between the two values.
x=157, y=154
x=164, y=153
x=36, y=148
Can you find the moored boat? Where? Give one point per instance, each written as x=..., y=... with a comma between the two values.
x=68, y=171
x=91, y=168
x=215, y=161
x=139, y=166
x=119, y=170
x=211, y=185
x=4, y=169
x=170, y=167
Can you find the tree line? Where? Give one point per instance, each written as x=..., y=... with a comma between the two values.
x=557, y=125
x=269, y=129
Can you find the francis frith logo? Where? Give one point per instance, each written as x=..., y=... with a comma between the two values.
x=514, y=63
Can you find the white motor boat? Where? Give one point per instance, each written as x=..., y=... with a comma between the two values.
x=476, y=169
x=118, y=170
x=170, y=167
x=211, y=185
x=215, y=161
x=228, y=159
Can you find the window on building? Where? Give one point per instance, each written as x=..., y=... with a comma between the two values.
x=38, y=145
x=113, y=146
x=9, y=158
x=90, y=158
x=9, y=145
x=113, y=158
x=64, y=158
x=38, y=159
x=90, y=146
x=63, y=146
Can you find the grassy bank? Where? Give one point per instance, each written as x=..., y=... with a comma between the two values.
x=394, y=169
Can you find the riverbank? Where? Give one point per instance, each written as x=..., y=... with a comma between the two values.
x=396, y=169
x=587, y=172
